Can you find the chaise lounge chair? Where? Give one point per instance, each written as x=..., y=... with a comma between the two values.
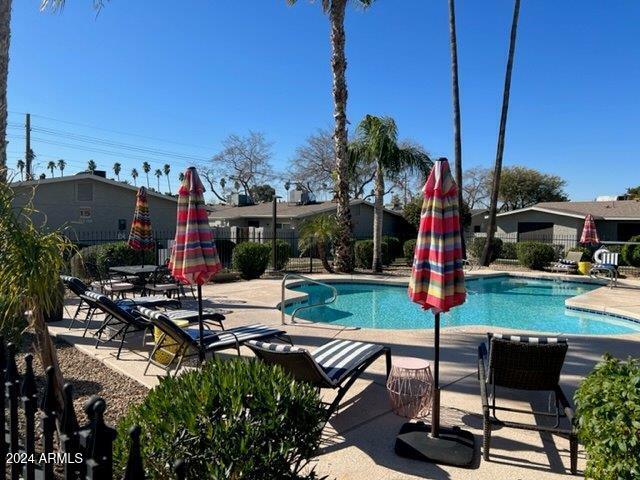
x=178, y=344
x=335, y=365
x=569, y=264
x=606, y=263
x=524, y=363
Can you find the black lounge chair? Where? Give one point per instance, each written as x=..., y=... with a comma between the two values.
x=177, y=343
x=335, y=365
x=524, y=363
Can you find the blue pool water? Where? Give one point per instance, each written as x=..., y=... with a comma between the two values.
x=509, y=302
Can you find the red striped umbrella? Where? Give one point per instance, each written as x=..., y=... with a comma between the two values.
x=437, y=283
x=589, y=232
x=194, y=258
x=141, y=236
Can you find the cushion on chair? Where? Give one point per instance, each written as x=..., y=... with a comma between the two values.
x=276, y=347
x=338, y=358
x=527, y=339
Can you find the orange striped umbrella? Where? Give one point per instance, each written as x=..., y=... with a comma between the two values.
x=141, y=236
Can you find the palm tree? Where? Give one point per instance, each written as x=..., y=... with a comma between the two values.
x=181, y=176
x=146, y=168
x=497, y=170
x=51, y=166
x=20, y=166
x=116, y=169
x=377, y=143
x=134, y=175
x=158, y=174
x=336, y=10
x=167, y=170
x=5, y=35
x=316, y=235
x=91, y=166
x=61, y=166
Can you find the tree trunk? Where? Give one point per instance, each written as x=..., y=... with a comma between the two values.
x=497, y=171
x=322, y=252
x=457, y=135
x=5, y=38
x=343, y=257
x=378, y=214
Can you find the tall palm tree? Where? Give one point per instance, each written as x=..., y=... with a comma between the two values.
x=316, y=236
x=455, y=94
x=146, y=168
x=181, y=176
x=336, y=10
x=5, y=36
x=91, y=166
x=117, y=167
x=134, y=175
x=497, y=170
x=20, y=166
x=51, y=166
x=61, y=166
x=158, y=174
x=167, y=170
x=377, y=143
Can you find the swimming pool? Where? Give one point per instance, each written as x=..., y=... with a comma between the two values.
x=507, y=302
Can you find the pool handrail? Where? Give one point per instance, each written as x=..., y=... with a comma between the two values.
x=333, y=298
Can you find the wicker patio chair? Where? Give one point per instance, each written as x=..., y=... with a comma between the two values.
x=524, y=363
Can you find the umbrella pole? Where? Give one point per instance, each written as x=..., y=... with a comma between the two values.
x=200, y=325
x=435, y=406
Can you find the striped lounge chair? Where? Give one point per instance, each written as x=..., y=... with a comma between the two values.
x=569, y=264
x=177, y=343
x=335, y=365
x=525, y=363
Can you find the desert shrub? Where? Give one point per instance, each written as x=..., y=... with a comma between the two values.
x=476, y=247
x=535, y=255
x=364, y=253
x=509, y=251
x=631, y=253
x=225, y=251
x=83, y=263
x=608, y=413
x=95, y=260
x=283, y=254
x=408, y=249
x=395, y=246
x=250, y=259
x=238, y=419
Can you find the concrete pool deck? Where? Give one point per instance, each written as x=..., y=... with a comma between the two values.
x=358, y=441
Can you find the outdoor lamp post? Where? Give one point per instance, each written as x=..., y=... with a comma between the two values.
x=274, y=230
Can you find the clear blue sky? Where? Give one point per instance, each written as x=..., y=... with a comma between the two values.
x=194, y=74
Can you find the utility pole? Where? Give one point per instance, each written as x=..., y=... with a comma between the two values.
x=274, y=232
x=27, y=152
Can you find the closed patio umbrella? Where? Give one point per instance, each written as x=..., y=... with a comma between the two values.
x=194, y=258
x=141, y=236
x=589, y=233
x=437, y=283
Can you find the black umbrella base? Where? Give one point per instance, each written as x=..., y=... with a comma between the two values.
x=453, y=447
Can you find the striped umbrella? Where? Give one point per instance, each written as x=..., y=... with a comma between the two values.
x=437, y=284
x=194, y=258
x=589, y=232
x=141, y=236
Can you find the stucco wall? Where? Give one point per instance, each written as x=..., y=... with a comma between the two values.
x=562, y=226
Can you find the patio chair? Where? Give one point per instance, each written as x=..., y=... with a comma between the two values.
x=568, y=264
x=113, y=286
x=335, y=365
x=606, y=263
x=178, y=344
x=524, y=363
x=162, y=282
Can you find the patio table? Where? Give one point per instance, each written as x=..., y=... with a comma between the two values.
x=141, y=271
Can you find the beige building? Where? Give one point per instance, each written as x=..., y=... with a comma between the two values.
x=91, y=207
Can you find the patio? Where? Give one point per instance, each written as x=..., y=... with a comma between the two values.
x=358, y=441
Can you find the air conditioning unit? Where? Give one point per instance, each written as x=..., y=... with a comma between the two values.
x=301, y=197
x=239, y=199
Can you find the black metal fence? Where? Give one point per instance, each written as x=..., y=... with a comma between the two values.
x=82, y=451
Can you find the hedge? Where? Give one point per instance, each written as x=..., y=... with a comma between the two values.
x=283, y=254
x=395, y=246
x=364, y=254
x=509, y=251
x=535, y=255
x=631, y=253
x=476, y=248
x=94, y=261
x=251, y=259
x=408, y=249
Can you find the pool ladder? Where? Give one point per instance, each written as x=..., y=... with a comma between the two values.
x=309, y=280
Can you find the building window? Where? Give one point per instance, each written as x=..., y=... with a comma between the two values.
x=84, y=192
x=253, y=223
x=476, y=228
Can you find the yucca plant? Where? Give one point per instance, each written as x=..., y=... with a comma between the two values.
x=31, y=259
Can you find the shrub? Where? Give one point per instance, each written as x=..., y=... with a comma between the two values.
x=234, y=419
x=364, y=253
x=225, y=251
x=283, y=254
x=535, y=255
x=631, y=253
x=11, y=324
x=89, y=262
x=608, y=413
x=395, y=246
x=509, y=251
x=476, y=247
x=83, y=263
x=408, y=249
x=250, y=259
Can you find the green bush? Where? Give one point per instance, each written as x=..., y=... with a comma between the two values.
x=535, y=255
x=283, y=254
x=476, y=247
x=608, y=413
x=408, y=249
x=237, y=419
x=93, y=261
x=83, y=263
x=509, y=251
x=225, y=251
x=11, y=324
x=395, y=246
x=364, y=253
x=631, y=253
x=250, y=259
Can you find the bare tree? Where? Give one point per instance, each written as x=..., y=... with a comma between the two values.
x=314, y=163
x=477, y=186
